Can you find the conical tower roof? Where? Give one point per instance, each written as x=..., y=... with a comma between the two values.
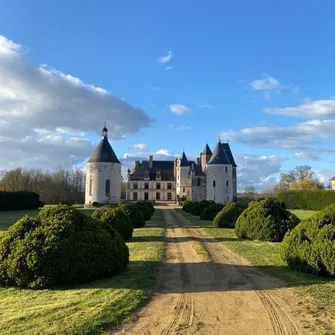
x=184, y=161
x=219, y=156
x=104, y=152
x=207, y=151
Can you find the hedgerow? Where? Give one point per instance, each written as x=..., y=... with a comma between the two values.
x=228, y=216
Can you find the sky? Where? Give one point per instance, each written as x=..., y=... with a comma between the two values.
x=166, y=77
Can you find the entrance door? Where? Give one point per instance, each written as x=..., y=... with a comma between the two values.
x=146, y=196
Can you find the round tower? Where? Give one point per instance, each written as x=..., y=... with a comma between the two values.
x=103, y=174
x=219, y=176
x=182, y=168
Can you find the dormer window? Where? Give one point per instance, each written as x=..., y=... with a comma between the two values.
x=146, y=175
x=158, y=175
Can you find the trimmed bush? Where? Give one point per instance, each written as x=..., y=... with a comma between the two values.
x=117, y=219
x=65, y=203
x=313, y=200
x=186, y=205
x=228, y=216
x=60, y=246
x=134, y=214
x=210, y=212
x=310, y=246
x=198, y=207
x=14, y=201
x=265, y=220
x=145, y=210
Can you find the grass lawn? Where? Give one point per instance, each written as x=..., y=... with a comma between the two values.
x=302, y=214
x=266, y=256
x=91, y=308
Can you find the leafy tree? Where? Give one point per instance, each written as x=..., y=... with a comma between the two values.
x=249, y=189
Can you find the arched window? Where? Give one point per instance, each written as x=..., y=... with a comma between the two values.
x=90, y=187
x=108, y=187
x=199, y=181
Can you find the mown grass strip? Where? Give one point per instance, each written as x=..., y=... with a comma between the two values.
x=93, y=307
x=266, y=256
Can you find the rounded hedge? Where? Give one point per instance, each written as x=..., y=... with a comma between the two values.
x=186, y=205
x=310, y=246
x=134, y=214
x=60, y=246
x=149, y=205
x=210, y=212
x=265, y=220
x=117, y=219
x=198, y=207
x=228, y=216
x=145, y=210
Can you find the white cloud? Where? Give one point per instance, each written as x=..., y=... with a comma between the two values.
x=43, y=107
x=179, y=128
x=205, y=106
x=267, y=83
x=141, y=147
x=310, y=109
x=168, y=68
x=165, y=59
x=307, y=155
x=163, y=152
x=179, y=109
x=259, y=171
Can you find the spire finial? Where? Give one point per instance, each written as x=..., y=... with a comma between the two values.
x=219, y=138
x=104, y=132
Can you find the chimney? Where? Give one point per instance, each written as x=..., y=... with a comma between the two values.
x=151, y=161
x=137, y=164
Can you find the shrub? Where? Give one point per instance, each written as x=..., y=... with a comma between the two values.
x=228, y=216
x=95, y=204
x=13, y=201
x=310, y=246
x=60, y=246
x=40, y=204
x=265, y=220
x=210, y=212
x=117, y=219
x=65, y=203
x=134, y=214
x=198, y=207
x=145, y=210
x=314, y=200
x=186, y=205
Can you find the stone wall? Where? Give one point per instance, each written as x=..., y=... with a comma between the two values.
x=96, y=176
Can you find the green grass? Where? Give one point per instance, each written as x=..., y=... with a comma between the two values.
x=91, y=308
x=266, y=256
x=302, y=214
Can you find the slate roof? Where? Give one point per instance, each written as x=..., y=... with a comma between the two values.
x=166, y=169
x=184, y=161
x=207, y=151
x=332, y=179
x=220, y=155
x=229, y=153
x=104, y=153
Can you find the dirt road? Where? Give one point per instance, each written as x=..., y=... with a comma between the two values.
x=206, y=289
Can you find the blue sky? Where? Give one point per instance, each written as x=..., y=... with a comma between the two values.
x=185, y=72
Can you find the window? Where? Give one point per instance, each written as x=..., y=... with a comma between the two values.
x=146, y=196
x=158, y=196
x=183, y=189
x=158, y=186
x=227, y=183
x=90, y=187
x=169, y=196
x=158, y=175
x=198, y=181
x=213, y=183
x=135, y=196
x=226, y=169
x=108, y=187
x=135, y=186
x=146, y=186
x=146, y=175
x=169, y=186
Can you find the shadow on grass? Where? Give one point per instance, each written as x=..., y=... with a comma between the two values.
x=180, y=239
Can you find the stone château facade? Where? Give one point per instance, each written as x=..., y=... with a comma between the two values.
x=103, y=174
x=212, y=177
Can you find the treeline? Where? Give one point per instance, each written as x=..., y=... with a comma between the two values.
x=53, y=187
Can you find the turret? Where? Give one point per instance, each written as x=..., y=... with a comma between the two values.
x=205, y=157
x=103, y=174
